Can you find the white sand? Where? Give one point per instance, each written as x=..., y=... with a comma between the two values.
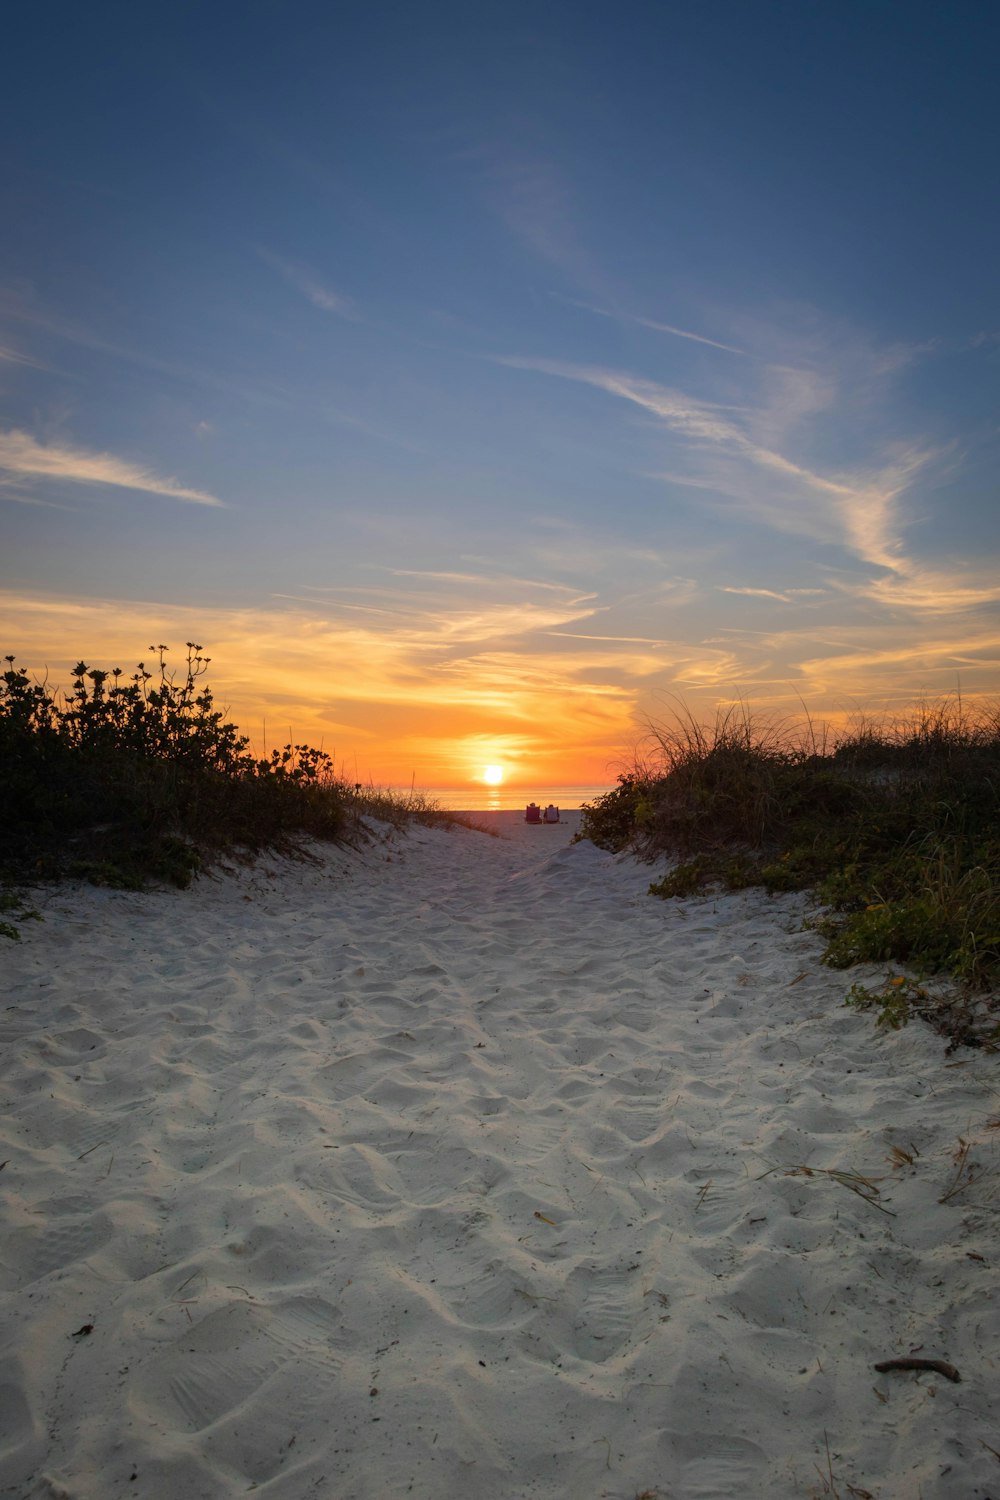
x=437, y=1170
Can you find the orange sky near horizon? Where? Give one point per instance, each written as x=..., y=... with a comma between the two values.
x=438, y=700
x=384, y=714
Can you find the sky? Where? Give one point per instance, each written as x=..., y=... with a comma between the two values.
x=481, y=384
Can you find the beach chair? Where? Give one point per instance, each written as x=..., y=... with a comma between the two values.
x=532, y=813
x=551, y=814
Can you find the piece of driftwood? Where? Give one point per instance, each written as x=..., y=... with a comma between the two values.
x=941, y=1366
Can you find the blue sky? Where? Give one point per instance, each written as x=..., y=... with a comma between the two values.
x=476, y=382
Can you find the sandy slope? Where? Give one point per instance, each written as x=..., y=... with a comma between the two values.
x=437, y=1170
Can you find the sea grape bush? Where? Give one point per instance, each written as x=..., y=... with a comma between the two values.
x=127, y=777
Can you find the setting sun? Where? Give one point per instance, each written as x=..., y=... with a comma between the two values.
x=493, y=775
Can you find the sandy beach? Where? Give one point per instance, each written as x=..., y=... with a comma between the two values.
x=458, y=1166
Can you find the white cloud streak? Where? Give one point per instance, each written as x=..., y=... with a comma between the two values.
x=756, y=593
x=49, y=325
x=781, y=596
x=670, y=328
x=862, y=508
x=487, y=579
x=684, y=333
x=309, y=284
x=23, y=457
x=12, y=357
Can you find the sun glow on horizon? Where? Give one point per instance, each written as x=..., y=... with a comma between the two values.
x=493, y=775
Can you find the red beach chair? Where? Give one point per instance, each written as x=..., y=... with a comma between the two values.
x=532, y=813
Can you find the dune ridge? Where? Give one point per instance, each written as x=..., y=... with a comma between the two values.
x=458, y=1165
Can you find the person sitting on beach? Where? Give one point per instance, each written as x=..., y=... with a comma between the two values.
x=533, y=813
x=551, y=814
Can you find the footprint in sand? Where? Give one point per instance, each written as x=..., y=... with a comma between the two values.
x=610, y=1313
x=261, y=1370
x=32, y=1253
x=353, y=1075
x=709, y=1464
x=21, y=1441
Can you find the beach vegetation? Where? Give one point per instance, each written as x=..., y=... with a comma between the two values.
x=127, y=779
x=893, y=825
x=14, y=909
x=895, y=1002
x=855, y=1182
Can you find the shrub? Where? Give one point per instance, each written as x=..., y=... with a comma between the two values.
x=127, y=780
x=613, y=820
x=895, y=827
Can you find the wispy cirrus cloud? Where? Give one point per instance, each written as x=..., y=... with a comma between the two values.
x=779, y=596
x=685, y=414
x=633, y=640
x=23, y=458
x=13, y=357
x=855, y=509
x=456, y=612
x=491, y=580
x=17, y=307
x=914, y=588
x=685, y=333
x=669, y=328
x=309, y=284
x=904, y=664
x=531, y=195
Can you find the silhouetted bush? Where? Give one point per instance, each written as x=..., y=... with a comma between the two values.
x=896, y=827
x=127, y=780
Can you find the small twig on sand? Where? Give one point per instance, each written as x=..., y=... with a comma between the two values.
x=964, y=1171
x=90, y=1150
x=940, y=1365
x=185, y=1283
x=829, y=1485
x=608, y=1442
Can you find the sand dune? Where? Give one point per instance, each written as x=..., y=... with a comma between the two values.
x=438, y=1168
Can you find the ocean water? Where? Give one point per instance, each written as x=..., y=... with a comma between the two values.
x=475, y=797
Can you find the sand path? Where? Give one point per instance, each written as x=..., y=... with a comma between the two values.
x=436, y=1169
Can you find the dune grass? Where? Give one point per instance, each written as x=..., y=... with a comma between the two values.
x=894, y=825
x=128, y=780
